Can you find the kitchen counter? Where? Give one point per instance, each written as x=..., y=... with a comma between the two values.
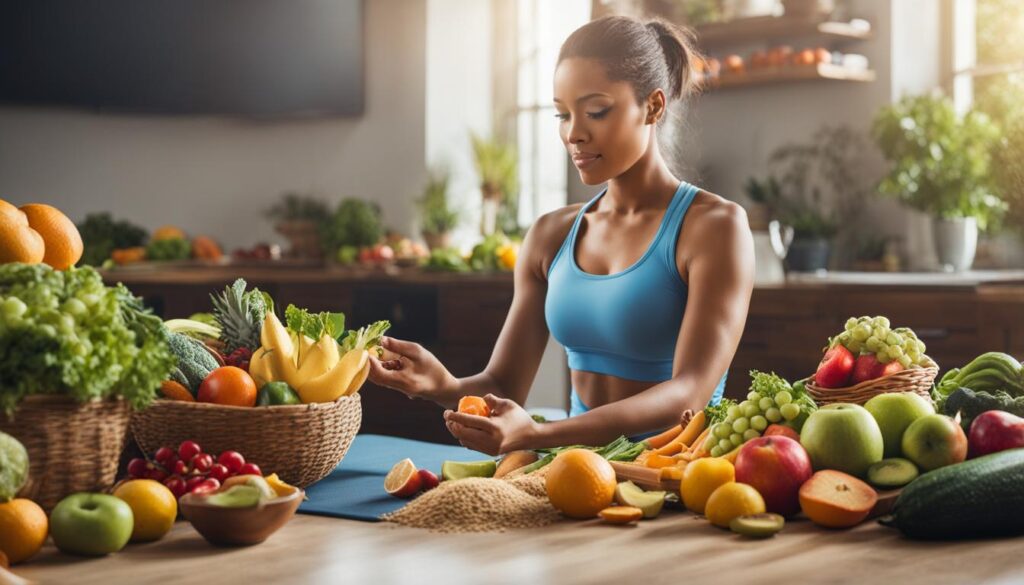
x=675, y=548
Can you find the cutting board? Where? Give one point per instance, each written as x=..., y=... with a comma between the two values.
x=650, y=479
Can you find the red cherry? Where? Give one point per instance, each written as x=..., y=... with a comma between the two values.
x=176, y=485
x=138, y=468
x=250, y=469
x=157, y=474
x=179, y=468
x=205, y=486
x=219, y=472
x=193, y=481
x=233, y=460
x=188, y=449
x=163, y=456
x=202, y=462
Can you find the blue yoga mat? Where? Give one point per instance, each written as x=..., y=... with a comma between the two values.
x=355, y=489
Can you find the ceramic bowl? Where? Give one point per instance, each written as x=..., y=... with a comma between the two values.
x=239, y=526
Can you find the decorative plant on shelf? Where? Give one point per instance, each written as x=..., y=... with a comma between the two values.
x=437, y=217
x=353, y=225
x=497, y=164
x=298, y=217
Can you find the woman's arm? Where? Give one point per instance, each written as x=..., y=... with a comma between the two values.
x=720, y=271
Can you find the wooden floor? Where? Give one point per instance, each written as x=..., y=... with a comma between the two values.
x=676, y=548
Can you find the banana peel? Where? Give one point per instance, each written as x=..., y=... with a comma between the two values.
x=359, y=380
x=260, y=368
x=335, y=383
x=319, y=357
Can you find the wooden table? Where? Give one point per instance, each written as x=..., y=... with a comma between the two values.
x=676, y=548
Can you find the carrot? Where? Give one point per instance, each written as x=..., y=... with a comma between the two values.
x=698, y=443
x=621, y=514
x=658, y=461
x=660, y=440
x=175, y=391
x=696, y=426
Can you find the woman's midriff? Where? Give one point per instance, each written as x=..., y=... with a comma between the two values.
x=600, y=389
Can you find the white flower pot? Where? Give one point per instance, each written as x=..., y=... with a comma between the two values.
x=956, y=241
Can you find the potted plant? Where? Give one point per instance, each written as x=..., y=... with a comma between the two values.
x=437, y=217
x=497, y=164
x=354, y=225
x=941, y=164
x=298, y=217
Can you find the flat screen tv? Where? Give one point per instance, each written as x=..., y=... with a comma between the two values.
x=261, y=58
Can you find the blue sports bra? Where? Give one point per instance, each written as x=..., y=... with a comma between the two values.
x=624, y=324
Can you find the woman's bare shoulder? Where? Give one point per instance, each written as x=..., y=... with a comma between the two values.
x=547, y=234
x=712, y=213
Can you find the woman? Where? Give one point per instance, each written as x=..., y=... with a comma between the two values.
x=647, y=285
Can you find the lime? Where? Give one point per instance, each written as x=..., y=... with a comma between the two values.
x=757, y=525
x=277, y=393
x=13, y=466
x=463, y=469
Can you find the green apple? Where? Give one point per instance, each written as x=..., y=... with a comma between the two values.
x=894, y=412
x=844, y=437
x=91, y=524
x=934, y=441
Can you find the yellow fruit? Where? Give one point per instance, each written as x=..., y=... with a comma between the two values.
x=62, y=240
x=169, y=232
x=23, y=529
x=316, y=357
x=282, y=488
x=701, y=478
x=260, y=368
x=13, y=212
x=152, y=504
x=359, y=380
x=333, y=384
x=19, y=242
x=580, y=483
x=733, y=500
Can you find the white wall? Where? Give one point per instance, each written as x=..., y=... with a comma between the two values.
x=217, y=175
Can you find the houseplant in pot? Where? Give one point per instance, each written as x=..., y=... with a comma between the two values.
x=355, y=224
x=298, y=217
x=497, y=164
x=75, y=356
x=941, y=164
x=437, y=217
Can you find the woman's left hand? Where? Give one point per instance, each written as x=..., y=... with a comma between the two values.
x=509, y=427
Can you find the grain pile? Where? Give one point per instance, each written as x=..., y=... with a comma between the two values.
x=479, y=505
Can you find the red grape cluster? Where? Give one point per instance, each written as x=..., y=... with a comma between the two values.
x=189, y=470
x=239, y=358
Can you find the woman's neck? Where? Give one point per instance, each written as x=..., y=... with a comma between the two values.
x=648, y=183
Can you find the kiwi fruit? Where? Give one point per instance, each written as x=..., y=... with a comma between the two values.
x=892, y=473
x=757, y=525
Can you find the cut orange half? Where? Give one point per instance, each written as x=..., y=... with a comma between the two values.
x=403, y=480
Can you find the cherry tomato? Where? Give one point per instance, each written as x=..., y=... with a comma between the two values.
x=202, y=462
x=138, y=468
x=250, y=469
x=176, y=485
x=188, y=449
x=163, y=456
x=157, y=474
x=205, y=486
x=219, y=472
x=180, y=468
x=233, y=460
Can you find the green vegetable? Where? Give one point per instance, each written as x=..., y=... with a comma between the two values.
x=314, y=325
x=276, y=393
x=990, y=372
x=978, y=498
x=13, y=467
x=621, y=449
x=355, y=223
x=194, y=362
x=366, y=337
x=240, y=314
x=101, y=235
x=64, y=332
x=196, y=329
x=716, y=413
x=169, y=249
x=347, y=255
x=969, y=404
x=446, y=260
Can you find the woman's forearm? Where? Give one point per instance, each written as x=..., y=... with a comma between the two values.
x=656, y=408
x=476, y=385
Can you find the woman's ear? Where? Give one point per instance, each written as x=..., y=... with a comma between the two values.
x=655, y=105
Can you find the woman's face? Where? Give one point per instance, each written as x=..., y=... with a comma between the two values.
x=604, y=129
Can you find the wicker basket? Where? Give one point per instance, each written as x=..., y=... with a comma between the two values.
x=302, y=443
x=72, y=446
x=919, y=380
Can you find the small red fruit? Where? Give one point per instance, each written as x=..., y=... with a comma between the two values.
x=205, y=486
x=250, y=469
x=188, y=449
x=157, y=474
x=233, y=460
x=179, y=468
x=835, y=368
x=138, y=468
x=163, y=456
x=176, y=485
x=193, y=481
x=428, y=480
x=202, y=462
x=219, y=472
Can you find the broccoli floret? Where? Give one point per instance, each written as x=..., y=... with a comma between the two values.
x=970, y=404
x=194, y=361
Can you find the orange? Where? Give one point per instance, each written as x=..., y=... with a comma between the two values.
x=63, y=242
x=153, y=506
x=474, y=405
x=168, y=232
x=12, y=211
x=228, y=385
x=733, y=500
x=580, y=483
x=19, y=242
x=23, y=529
x=701, y=478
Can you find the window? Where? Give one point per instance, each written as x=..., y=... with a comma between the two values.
x=988, y=57
x=543, y=163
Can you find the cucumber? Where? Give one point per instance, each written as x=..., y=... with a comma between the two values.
x=892, y=473
x=757, y=525
x=978, y=498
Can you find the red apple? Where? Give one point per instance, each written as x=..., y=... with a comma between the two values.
x=776, y=467
x=994, y=431
x=366, y=255
x=428, y=479
x=782, y=431
x=835, y=368
x=867, y=367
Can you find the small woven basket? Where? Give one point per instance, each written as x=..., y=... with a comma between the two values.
x=301, y=443
x=72, y=446
x=919, y=380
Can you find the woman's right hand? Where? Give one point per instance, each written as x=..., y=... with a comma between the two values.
x=413, y=371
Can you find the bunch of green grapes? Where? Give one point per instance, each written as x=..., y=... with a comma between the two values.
x=873, y=335
x=748, y=419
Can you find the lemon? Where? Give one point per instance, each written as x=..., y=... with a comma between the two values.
x=701, y=478
x=731, y=501
x=153, y=506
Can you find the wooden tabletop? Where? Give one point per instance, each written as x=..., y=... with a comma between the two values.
x=676, y=548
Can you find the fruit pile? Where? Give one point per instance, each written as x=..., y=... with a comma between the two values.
x=188, y=470
x=868, y=349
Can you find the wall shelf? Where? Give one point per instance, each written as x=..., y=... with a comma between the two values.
x=814, y=30
x=772, y=75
